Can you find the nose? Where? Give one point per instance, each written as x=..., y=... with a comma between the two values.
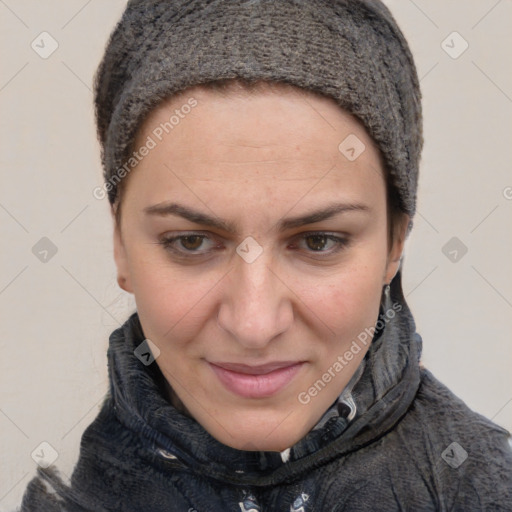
x=256, y=305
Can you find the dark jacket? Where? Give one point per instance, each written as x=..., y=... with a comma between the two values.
x=411, y=446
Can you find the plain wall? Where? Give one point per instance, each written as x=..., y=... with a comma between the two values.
x=56, y=316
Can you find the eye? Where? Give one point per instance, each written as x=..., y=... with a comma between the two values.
x=196, y=244
x=187, y=244
x=323, y=243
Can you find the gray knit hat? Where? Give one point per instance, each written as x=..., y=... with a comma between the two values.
x=350, y=50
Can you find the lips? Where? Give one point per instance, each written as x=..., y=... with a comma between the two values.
x=260, y=381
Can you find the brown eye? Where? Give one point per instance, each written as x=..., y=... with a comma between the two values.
x=321, y=243
x=191, y=242
x=317, y=242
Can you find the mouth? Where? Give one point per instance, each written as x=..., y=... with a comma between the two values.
x=260, y=381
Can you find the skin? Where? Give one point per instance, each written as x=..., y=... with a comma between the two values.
x=254, y=160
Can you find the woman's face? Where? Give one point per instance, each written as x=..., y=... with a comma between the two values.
x=254, y=238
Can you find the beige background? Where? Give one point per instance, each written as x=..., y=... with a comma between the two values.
x=56, y=316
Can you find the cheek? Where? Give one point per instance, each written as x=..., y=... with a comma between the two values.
x=348, y=299
x=170, y=304
x=357, y=306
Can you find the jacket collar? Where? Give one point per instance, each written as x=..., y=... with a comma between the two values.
x=375, y=399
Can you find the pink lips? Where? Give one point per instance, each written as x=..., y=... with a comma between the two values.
x=256, y=381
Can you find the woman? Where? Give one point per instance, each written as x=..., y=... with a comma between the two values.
x=261, y=159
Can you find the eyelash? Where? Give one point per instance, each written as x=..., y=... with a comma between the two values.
x=168, y=241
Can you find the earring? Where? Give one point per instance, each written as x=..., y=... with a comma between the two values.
x=385, y=299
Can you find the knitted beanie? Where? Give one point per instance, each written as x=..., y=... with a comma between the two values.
x=349, y=50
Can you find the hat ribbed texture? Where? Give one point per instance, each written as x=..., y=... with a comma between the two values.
x=350, y=50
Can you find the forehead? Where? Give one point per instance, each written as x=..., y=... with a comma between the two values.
x=270, y=140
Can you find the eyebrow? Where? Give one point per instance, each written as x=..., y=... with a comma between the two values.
x=197, y=217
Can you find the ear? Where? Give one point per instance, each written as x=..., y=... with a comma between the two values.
x=396, y=250
x=121, y=260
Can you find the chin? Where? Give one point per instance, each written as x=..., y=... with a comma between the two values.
x=274, y=434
